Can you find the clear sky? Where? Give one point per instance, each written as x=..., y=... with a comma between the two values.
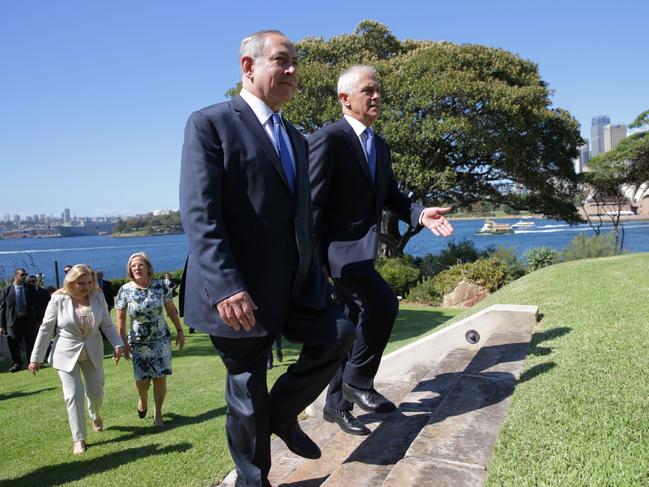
x=94, y=95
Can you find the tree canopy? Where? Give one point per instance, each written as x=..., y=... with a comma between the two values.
x=465, y=123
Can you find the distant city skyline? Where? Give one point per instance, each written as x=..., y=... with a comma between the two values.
x=72, y=216
x=94, y=95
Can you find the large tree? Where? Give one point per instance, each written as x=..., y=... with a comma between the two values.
x=465, y=123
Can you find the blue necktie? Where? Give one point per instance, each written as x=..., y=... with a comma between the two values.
x=20, y=300
x=284, y=154
x=370, y=152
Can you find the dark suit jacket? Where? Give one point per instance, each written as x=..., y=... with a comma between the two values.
x=107, y=290
x=8, y=308
x=246, y=230
x=347, y=205
x=42, y=300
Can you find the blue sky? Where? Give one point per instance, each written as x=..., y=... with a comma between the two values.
x=94, y=95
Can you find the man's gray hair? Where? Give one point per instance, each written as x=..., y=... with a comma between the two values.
x=349, y=77
x=253, y=45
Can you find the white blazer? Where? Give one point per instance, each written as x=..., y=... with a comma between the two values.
x=70, y=340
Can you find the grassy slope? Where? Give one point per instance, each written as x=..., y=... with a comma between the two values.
x=580, y=415
x=190, y=451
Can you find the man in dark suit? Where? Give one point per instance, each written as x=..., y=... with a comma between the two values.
x=42, y=299
x=351, y=182
x=106, y=288
x=18, y=317
x=245, y=207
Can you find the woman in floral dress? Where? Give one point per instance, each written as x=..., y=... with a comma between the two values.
x=149, y=338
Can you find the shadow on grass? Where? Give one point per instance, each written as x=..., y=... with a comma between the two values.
x=16, y=394
x=171, y=421
x=542, y=336
x=78, y=469
x=537, y=370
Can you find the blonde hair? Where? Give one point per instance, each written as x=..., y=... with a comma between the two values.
x=75, y=273
x=147, y=262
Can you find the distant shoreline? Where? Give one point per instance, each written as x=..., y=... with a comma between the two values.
x=142, y=234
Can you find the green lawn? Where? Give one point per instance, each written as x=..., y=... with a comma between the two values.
x=190, y=451
x=580, y=414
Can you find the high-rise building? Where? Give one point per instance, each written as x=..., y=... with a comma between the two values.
x=581, y=162
x=6, y=218
x=66, y=215
x=613, y=134
x=597, y=134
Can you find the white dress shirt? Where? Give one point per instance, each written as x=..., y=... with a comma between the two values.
x=264, y=113
x=359, y=129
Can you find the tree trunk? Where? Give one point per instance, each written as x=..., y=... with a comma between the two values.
x=395, y=242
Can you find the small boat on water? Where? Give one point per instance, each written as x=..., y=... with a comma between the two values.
x=523, y=224
x=490, y=227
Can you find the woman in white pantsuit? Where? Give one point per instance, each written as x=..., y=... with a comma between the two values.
x=80, y=312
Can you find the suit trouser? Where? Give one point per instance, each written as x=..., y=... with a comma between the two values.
x=74, y=392
x=376, y=306
x=22, y=332
x=254, y=413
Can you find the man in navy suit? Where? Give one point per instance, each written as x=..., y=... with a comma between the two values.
x=246, y=209
x=18, y=315
x=351, y=182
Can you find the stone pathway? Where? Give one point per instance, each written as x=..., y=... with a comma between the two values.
x=442, y=434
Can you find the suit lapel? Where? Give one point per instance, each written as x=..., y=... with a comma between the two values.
x=251, y=122
x=355, y=145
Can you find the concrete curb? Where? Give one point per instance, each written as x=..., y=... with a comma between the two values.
x=429, y=350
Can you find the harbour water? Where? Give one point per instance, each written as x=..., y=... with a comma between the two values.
x=168, y=252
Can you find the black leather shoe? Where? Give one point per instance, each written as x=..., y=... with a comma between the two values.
x=369, y=400
x=14, y=368
x=280, y=355
x=298, y=442
x=346, y=420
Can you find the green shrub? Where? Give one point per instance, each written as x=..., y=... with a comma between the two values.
x=507, y=257
x=486, y=272
x=582, y=247
x=425, y=293
x=539, y=257
x=454, y=253
x=399, y=272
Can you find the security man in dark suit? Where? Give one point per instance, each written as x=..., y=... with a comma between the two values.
x=351, y=183
x=246, y=210
x=18, y=316
x=107, y=289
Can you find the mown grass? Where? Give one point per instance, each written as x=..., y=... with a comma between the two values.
x=190, y=451
x=580, y=414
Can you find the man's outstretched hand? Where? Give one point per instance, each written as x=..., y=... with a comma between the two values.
x=433, y=219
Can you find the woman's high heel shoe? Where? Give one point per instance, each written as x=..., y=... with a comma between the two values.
x=79, y=447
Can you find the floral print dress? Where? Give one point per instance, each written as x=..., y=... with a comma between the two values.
x=149, y=335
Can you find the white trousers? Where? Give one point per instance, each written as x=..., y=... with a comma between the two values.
x=74, y=392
